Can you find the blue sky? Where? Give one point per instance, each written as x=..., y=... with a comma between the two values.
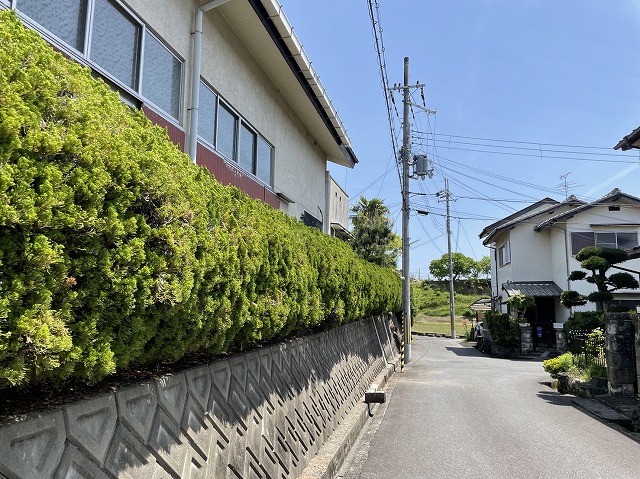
x=525, y=91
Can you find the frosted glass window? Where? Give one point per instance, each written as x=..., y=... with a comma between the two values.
x=66, y=19
x=247, y=148
x=264, y=158
x=207, y=113
x=161, y=76
x=627, y=241
x=227, y=126
x=606, y=240
x=115, y=42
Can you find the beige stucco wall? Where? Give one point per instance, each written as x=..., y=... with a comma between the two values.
x=299, y=165
x=339, y=212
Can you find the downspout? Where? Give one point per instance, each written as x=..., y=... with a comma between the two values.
x=326, y=228
x=566, y=258
x=192, y=143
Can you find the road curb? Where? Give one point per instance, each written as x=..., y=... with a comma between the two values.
x=328, y=461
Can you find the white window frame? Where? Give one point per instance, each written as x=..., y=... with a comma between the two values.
x=84, y=57
x=595, y=235
x=241, y=123
x=504, y=254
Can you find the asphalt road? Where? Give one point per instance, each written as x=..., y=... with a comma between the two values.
x=456, y=413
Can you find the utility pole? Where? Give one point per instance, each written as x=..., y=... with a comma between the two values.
x=405, y=157
x=406, y=153
x=452, y=308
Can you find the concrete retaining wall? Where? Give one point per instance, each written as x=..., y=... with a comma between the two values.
x=263, y=414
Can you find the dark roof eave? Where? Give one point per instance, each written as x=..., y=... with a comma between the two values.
x=630, y=141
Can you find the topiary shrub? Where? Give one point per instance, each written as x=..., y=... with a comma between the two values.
x=115, y=250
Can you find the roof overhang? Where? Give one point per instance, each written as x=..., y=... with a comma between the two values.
x=630, y=141
x=267, y=34
x=341, y=231
x=532, y=288
x=482, y=304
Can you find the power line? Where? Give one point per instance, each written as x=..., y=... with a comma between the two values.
x=526, y=142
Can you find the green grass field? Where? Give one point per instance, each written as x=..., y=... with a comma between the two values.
x=432, y=314
x=423, y=323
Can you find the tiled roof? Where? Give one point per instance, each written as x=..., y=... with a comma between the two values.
x=614, y=195
x=571, y=200
x=532, y=288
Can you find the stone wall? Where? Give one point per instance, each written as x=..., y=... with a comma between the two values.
x=621, y=339
x=263, y=414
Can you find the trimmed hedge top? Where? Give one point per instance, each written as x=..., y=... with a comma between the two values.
x=115, y=249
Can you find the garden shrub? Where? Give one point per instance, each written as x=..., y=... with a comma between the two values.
x=115, y=250
x=559, y=364
x=504, y=329
x=584, y=321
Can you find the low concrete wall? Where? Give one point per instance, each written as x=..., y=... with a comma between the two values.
x=263, y=414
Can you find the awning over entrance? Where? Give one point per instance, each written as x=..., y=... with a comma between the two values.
x=482, y=304
x=532, y=288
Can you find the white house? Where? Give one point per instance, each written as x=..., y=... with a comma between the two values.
x=533, y=252
x=227, y=78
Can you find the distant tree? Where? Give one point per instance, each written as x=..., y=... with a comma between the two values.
x=481, y=268
x=463, y=266
x=373, y=237
x=597, y=261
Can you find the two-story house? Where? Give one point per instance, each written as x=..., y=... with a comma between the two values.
x=533, y=252
x=228, y=79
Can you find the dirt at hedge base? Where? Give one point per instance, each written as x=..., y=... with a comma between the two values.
x=17, y=404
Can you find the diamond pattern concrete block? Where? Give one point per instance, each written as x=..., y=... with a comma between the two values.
x=254, y=364
x=74, y=465
x=196, y=428
x=91, y=423
x=239, y=404
x=237, y=459
x=199, y=384
x=221, y=376
x=168, y=443
x=195, y=467
x=127, y=458
x=266, y=359
x=160, y=472
x=219, y=451
x=32, y=448
x=137, y=408
x=239, y=369
x=172, y=395
x=256, y=396
x=219, y=415
x=276, y=354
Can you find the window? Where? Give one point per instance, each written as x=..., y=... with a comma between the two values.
x=247, y=149
x=226, y=135
x=309, y=220
x=504, y=254
x=115, y=42
x=161, y=76
x=114, y=45
x=207, y=114
x=66, y=19
x=582, y=239
x=264, y=160
x=221, y=128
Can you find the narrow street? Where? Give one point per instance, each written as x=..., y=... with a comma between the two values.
x=456, y=413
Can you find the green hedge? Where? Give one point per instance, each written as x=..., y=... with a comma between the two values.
x=116, y=250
